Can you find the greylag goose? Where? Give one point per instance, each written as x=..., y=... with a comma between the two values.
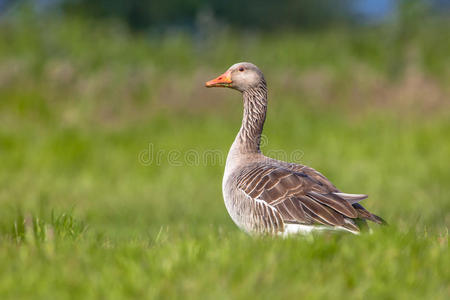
x=268, y=196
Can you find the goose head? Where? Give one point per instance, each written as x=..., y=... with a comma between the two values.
x=241, y=76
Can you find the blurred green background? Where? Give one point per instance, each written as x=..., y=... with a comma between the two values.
x=112, y=151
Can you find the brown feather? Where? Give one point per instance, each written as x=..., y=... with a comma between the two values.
x=365, y=214
x=350, y=225
x=293, y=211
x=328, y=215
x=335, y=203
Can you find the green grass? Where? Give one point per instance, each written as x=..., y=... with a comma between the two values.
x=81, y=216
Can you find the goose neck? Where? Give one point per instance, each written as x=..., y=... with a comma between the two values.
x=255, y=108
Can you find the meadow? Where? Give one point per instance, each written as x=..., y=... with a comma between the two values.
x=107, y=190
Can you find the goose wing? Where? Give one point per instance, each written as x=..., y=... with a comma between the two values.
x=302, y=196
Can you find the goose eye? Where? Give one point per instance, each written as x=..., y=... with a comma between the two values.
x=241, y=69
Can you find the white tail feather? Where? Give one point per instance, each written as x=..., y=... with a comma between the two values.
x=352, y=198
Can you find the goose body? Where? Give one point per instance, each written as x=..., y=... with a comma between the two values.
x=268, y=196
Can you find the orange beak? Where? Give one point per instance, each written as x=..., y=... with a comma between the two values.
x=223, y=80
